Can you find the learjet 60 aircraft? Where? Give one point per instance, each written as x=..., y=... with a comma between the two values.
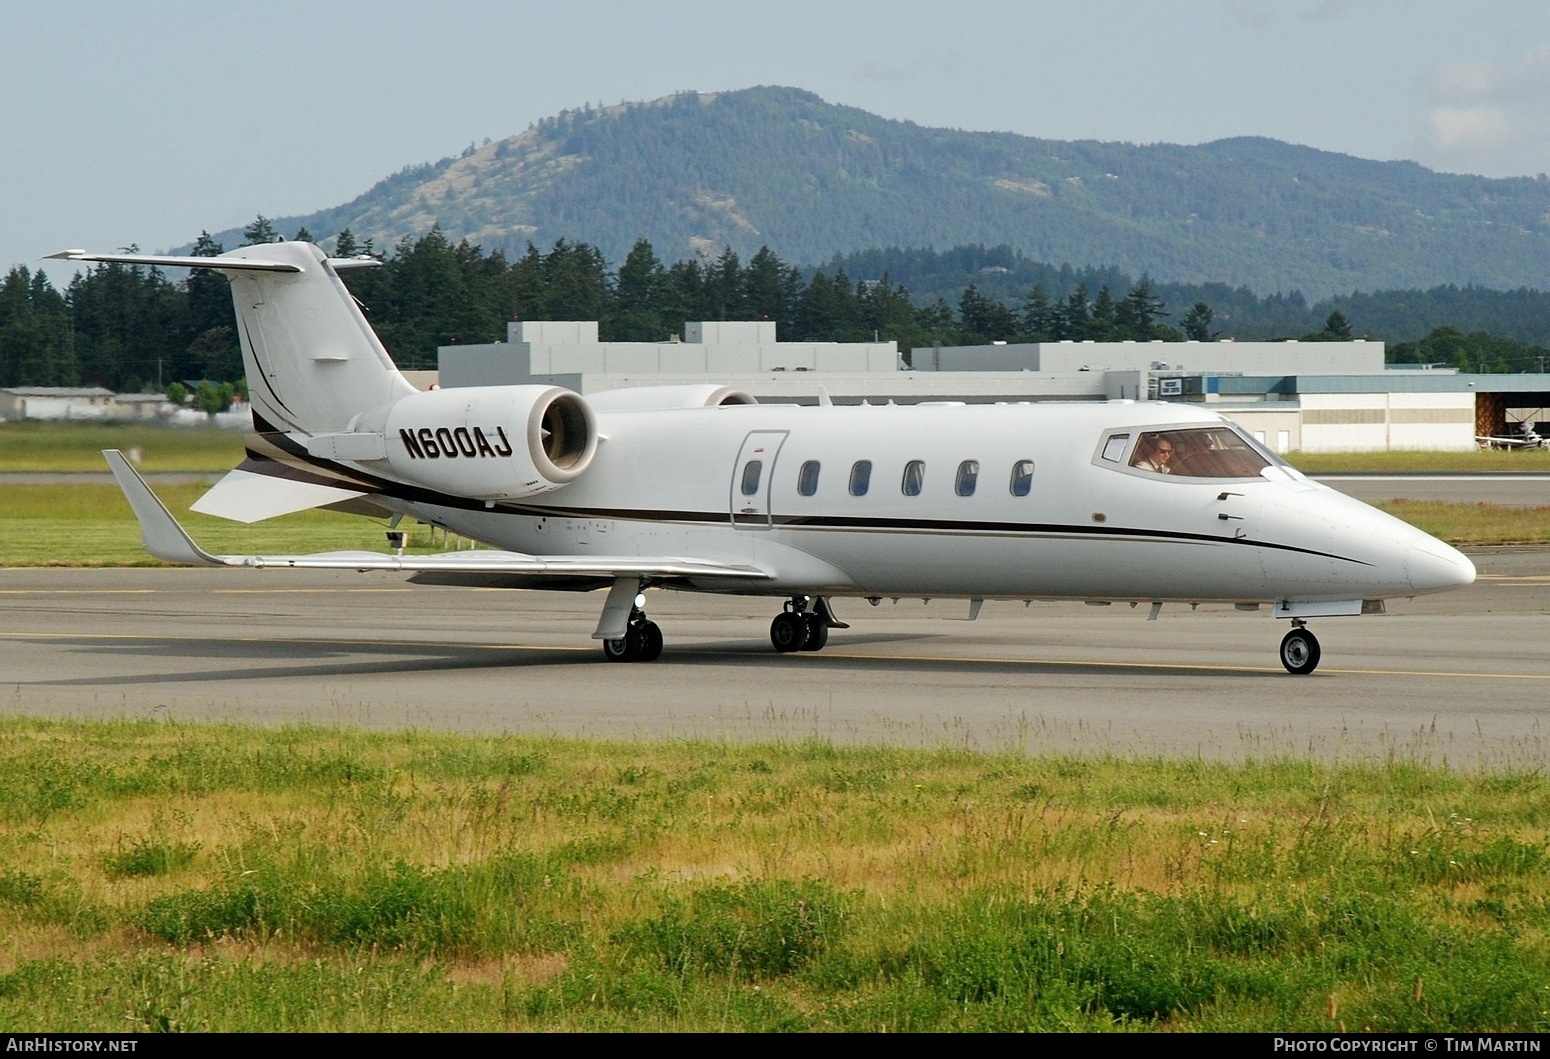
x=699, y=488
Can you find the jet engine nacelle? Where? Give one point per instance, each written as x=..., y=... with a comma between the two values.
x=661, y=398
x=490, y=442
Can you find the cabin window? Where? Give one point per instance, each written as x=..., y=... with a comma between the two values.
x=1022, y=477
x=751, y=472
x=807, y=478
x=1114, y=448
x=968, y=477
x=914, y=477
x=1198, y=452
x=860, y=477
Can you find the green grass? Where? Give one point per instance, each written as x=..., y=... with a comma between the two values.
x=65, y=447
x=1474, y=525
x=163, y=876
x=1536, y=461
x=70, y=447
x=92, y=525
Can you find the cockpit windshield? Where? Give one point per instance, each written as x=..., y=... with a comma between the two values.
x=1198, y=452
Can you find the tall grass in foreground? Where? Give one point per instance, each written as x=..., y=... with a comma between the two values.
x=161, y=876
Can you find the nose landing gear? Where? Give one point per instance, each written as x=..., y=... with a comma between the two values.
x=1300, y=649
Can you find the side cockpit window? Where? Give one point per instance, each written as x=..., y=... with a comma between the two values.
x=1198, y=452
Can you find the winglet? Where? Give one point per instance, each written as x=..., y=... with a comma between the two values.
x=160, y=532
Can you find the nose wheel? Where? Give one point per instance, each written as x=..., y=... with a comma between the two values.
x=642, y=641
x=1300, y=650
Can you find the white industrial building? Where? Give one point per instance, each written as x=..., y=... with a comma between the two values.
x=58, y=402
x=1307, y=396
x=568, y=353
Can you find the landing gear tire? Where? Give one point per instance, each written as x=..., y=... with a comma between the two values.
x=642, y=642
x=1300, y=652
x=789, y=632
x=650, y=642
x=817, y=632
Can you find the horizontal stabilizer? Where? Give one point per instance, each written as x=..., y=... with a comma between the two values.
x=165, y=539
x=243, y=496
x=224, y=264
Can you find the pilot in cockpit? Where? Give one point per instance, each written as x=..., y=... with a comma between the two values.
x=1154, y=454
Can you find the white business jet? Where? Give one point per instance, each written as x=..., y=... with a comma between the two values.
x=699, y=488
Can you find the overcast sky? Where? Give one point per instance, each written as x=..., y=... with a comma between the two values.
x=146, y=122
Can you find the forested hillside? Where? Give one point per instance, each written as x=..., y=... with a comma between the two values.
x=1003, y=274
x=130, y=327
x=780, y=168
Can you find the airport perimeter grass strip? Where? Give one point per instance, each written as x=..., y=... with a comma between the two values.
x=91, y=525
x=67, y=447
x=168, y=876
x=77, y=447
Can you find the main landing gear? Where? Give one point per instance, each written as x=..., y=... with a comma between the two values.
x=642, y=641
x=803, y=625
x=1300, y=649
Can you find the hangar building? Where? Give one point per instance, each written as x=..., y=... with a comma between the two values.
x=1309, y=396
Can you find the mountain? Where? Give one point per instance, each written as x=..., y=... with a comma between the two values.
x=779, y=167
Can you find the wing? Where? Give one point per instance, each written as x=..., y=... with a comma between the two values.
x=165, y=539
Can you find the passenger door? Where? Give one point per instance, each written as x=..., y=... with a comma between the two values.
x=751, y=478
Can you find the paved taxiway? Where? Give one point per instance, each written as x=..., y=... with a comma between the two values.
x=1463, y=676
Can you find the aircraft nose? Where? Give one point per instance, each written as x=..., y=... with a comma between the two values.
x=1432, y=566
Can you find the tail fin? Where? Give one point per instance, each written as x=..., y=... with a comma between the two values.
x=313, y=362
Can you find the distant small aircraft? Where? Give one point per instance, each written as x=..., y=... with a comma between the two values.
x=701, y=489
x=1526, y=438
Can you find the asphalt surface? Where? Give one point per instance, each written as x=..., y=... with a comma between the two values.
x=1461, y=677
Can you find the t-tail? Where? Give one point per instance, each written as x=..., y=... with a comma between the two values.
x=313, y=363
x=335, y=421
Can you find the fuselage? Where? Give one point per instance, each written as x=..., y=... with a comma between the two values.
x=1026, y=501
